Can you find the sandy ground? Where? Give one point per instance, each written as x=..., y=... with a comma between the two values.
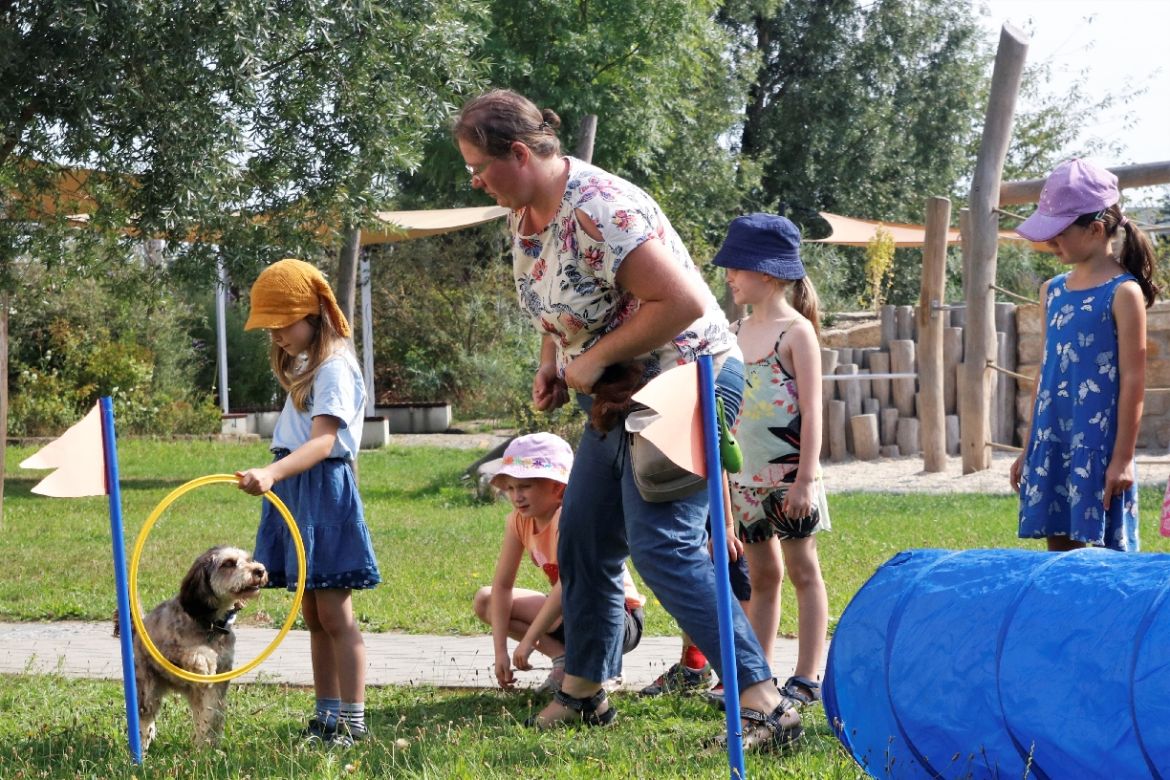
x=907, y=475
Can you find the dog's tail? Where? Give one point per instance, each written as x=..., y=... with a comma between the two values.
x=118, y=625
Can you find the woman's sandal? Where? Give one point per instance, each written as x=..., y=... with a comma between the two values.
x=582, y=710
x=801, y=690
x=765, y=733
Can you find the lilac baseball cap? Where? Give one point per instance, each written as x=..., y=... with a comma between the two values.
x=535, y=455
x=1074, y=188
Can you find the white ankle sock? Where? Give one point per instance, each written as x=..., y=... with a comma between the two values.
x=353, y=714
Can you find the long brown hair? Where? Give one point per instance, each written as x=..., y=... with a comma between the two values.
x=1137, y=253
x=298, y=380
x=495, y=120
x=806, y=302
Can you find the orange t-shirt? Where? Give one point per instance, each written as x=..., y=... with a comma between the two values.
x=541, y=544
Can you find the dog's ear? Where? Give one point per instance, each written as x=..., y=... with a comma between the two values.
x=196, y=596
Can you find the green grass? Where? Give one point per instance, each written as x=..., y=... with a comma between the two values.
x=436, y=545
x=58, y=728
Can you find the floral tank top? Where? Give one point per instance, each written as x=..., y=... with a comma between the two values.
x=768, y=425
x=567, y=284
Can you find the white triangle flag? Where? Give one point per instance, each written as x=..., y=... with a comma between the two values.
x=78, y=456
x=678, y=432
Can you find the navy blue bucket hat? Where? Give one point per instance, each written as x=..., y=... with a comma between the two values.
x=766, y=243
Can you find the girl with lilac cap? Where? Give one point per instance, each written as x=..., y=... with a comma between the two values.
x=1076, y=475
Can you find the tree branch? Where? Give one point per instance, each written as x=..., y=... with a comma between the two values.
x=306, y=51
x=614, y=63
x=13, y=138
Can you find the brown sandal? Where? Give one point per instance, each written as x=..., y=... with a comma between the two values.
x=765, y=733
x=581, y=710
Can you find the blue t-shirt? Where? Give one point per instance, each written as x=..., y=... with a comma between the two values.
x=338, y=391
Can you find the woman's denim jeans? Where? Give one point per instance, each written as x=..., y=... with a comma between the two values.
x=604, y=519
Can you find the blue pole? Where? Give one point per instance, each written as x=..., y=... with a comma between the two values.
x=113, y=489
x=722, y=582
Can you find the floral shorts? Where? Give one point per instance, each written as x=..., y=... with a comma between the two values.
x=759, y=514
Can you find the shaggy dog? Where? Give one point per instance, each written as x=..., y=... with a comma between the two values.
x=194, y=632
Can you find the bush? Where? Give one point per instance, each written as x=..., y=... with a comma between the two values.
x=251, y=384
x=124, y=335
x=455, y=332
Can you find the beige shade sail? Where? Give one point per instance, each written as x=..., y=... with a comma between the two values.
x=408, y=225
x=848, y=231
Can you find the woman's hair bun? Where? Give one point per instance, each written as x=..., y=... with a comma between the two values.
x=550, y=118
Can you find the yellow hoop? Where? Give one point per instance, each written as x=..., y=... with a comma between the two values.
x=136, y=611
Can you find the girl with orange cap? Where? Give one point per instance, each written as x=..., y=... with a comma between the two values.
x=315, y=442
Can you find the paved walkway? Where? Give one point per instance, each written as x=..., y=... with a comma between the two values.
x=84, y=649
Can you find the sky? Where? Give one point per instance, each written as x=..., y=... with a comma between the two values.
x=1104, y=44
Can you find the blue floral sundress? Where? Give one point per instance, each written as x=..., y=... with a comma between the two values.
x=1074, y=424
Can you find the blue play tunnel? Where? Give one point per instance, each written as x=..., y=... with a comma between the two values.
x=1006, y=664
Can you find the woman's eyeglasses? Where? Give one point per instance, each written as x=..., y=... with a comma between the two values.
x=477, y=171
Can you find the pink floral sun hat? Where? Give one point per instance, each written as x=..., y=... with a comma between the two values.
x=534, y=456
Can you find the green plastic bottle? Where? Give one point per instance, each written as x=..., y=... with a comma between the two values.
x=729, y=451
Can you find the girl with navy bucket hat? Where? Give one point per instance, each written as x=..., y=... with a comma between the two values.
x=1076, y=476
x=778, y=497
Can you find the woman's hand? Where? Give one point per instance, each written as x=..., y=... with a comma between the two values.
x=256, y=482
x=1017, y=472
x=504, y=674
x=521, y=655
x=548, y=390
x=583, y=372
x=1118, y=479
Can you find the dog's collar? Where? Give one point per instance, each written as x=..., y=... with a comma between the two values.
x=223, y=625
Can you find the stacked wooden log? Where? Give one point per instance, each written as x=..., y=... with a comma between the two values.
x=871, y=418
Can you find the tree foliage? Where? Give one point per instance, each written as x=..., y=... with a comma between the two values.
x=256, y=128
x=655, y=74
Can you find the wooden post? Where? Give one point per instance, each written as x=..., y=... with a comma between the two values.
x=836, y=431
x=974, y=418
x=585, y=136
x=865, y=436
x=1143, y=175
x=864, y=385
x=952, y=356
x=1005, y=323
x=931, y=401
x=904, y=317
x=907, y=436
x=952, y=425
x=879, y=363
x=889, y=326
x=889, y=426
x=902, y=362
x=828, y=393
x=850, y=392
